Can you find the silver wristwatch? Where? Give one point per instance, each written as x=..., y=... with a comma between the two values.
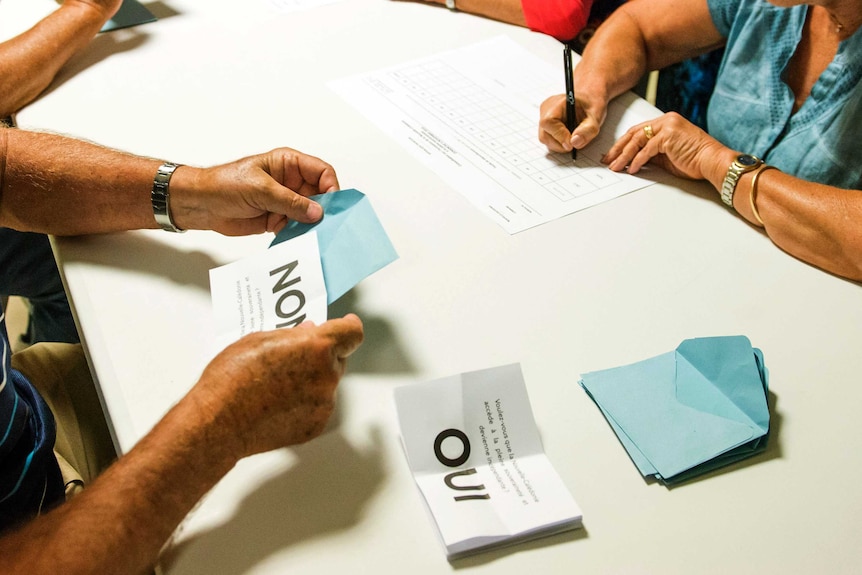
x=161, y=197
x=743, y=163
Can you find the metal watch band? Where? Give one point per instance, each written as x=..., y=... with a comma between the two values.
x=161, y=197
x=740, y=165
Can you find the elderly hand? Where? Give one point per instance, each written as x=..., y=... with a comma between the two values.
x=673, y=143
x=276, y=388
x=251, y=195
x=590, y=112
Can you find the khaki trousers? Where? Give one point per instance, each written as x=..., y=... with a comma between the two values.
x=60, y=372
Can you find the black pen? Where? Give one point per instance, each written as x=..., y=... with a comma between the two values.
x=570, y=93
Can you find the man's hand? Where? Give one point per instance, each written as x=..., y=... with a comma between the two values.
x=277, y=388
x=252, y=195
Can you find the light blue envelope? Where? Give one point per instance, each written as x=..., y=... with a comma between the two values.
x=131, y=13
x=353, y=244
x=688, y=411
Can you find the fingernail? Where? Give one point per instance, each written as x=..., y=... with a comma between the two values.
x=577, y=141
x=314, y=211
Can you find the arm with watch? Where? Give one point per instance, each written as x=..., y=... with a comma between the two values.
x=62, y=186
x=816, y=223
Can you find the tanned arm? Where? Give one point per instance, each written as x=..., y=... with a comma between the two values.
x=29, y=62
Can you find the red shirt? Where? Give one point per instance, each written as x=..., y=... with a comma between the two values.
x=562, y=19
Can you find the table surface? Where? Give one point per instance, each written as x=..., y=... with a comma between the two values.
x=617, y=283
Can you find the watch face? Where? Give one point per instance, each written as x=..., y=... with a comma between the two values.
x=747, y=160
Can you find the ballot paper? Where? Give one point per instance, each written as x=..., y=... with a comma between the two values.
x=131, y=13
x=306, y=268
x=470, y=114
x=278, y=288
x=475, y=453
x=688, y=411
x=353, y=243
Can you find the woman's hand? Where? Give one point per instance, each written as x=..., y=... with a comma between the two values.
x=673, y=143
x=590, y=115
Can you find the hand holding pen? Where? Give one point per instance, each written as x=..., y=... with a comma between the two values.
x=566, y=124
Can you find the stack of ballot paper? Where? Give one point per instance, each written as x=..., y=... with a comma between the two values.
x=688, y=411
x=475, y=453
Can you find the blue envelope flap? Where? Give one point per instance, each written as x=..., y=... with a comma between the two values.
x=687, y=411
x=720, y=375
x=353, y=243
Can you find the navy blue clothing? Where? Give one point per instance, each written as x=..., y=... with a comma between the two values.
x=30, y=480
x=28, y=269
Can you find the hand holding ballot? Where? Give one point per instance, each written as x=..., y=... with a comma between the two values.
x=307, y=267
x=276, y=388
x=252, y=195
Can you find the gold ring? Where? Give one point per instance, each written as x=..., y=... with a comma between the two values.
x=648, y=131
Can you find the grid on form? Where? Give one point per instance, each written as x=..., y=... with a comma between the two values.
x=499, y=131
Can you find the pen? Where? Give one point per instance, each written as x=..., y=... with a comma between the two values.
x=570, y=93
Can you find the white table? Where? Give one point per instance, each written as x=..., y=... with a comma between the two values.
x=623, y=281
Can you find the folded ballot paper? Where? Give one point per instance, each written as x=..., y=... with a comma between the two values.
x=306, y=268
x=688, y=411
x=475, y=453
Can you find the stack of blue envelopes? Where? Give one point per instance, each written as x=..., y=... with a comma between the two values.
x=688, y=411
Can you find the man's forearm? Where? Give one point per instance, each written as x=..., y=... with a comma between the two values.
x=62, y=186
x=30, y=61
x=120, y=523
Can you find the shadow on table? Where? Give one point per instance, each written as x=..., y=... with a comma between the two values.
x=160, y=10
x=324, y=493
x=101, y=48
x=138, y=253
x=106, y=44
x=382, y=351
